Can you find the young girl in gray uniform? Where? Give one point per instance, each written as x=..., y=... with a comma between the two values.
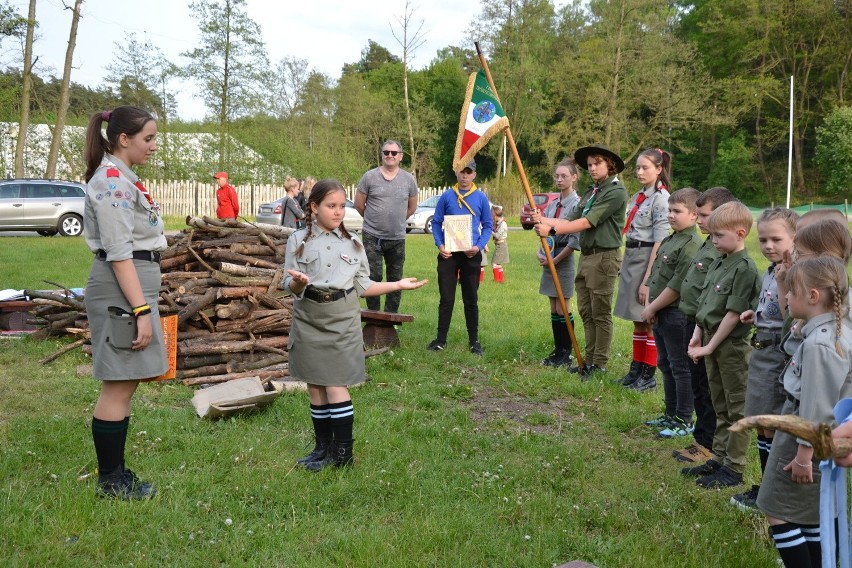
x=818, y=375
x=562, y=248
x=123, y=228
x=500, y=235
x=776, y=229
x=647, y=225
x=327, y=271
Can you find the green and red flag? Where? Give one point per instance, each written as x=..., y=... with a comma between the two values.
x=481, y=118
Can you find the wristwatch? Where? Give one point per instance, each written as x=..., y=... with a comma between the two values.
x=552, y=231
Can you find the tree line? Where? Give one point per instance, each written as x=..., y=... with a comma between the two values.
x=706, y=80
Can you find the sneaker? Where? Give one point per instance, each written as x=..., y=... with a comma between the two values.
x=707, y=468
x=646, y=380
x=724, y=477
x=661, y=421
x=633, y=374
x=746, y=501
x=475, y=348
x=555, y=359
x=694, y=453
x=437, y=345
x=677, y=428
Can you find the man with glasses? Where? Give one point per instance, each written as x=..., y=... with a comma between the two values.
x=386, y=197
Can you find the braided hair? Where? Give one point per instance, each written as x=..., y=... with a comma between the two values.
x=318, y=193
x=828, y=274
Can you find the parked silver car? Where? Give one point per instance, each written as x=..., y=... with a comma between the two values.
x=422, y=216
x=272, y=213
x=43, y=205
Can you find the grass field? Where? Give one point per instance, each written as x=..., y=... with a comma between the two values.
x=460, y=460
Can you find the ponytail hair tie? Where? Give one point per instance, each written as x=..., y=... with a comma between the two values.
x=105, y=115
x=658, y=150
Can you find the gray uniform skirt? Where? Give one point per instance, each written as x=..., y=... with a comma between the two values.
x=110, y=363
x=765, y=389
x=326, y=345
x=501, y=253
x=630, y=277
x=780, y=496
x=566, y=272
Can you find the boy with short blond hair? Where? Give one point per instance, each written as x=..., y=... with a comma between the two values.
x=732, y=287
x=672, y=331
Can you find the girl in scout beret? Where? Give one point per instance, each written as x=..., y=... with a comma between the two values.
x=123, y=228
x=327, y=271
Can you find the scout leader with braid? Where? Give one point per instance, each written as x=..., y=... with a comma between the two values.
x=600, y=217
x=123, y=228
x=327, y=271
x=818, y=376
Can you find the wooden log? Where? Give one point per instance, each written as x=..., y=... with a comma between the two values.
x=231, y=367
x=219, y=254
x=277, y=343
x=180, y=275
x=175, y=261
x=63, y=351
x=252, y=249
x=208, y=298
x=234, y=310
x=241, y=270
x=69, y=301
x=233, y=292
x=205, y=335
x=230, y=280
x=271, y=301
x=276, y=371
x=195, y=361
x=58, y=316
x=276, y=280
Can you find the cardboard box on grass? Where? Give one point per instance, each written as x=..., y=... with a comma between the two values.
x=234, y=396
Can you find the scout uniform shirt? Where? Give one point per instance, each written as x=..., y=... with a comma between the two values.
x=118, y=217
x=651, y=222
x=674, y=259
x=331, y=261
x=604, y=208
x=817, y=376
x=693, y=281
x=566, y=206
x=732, y=285
x=768, y=313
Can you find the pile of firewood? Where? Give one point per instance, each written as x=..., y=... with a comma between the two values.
x=222, y=281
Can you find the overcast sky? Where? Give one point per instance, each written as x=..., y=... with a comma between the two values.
x=327, y=33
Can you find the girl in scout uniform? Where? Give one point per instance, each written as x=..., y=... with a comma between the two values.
x=500, y=256
x=646, y=227
x=565, y=177
x=600, y=218
x=122, y=227
x=327, y=271
x=764, y=392
x=818, y=376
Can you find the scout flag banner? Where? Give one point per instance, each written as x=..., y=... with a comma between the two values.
x=481, y=118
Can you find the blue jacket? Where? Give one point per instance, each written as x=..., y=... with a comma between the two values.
x=481, y=223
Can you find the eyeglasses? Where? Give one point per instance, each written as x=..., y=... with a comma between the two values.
x=391, y=152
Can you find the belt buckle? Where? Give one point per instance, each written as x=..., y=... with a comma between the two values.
x=327, y=297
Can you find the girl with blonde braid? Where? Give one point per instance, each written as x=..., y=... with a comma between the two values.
x=327, y=271
x=818, y=375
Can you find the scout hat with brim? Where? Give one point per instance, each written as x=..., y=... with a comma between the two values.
x=581, y=156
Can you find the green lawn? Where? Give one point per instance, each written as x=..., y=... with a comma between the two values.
x=460, y=460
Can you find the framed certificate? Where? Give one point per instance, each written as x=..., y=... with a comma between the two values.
x=457, y=233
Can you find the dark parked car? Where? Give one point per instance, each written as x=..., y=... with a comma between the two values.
x=44, y=205
x=542, y=200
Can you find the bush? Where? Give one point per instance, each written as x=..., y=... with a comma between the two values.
x=834, y=150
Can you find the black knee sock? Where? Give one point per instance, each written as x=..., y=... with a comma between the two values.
x=342, y=419
x=124, y=439
x=321, y=418
x=764, y=444
x=792, y=545
x=566, y=337
x=812, y=538
x=109, y=437
x=557, y=334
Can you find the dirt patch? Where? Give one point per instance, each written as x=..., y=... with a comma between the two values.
x=494, y=408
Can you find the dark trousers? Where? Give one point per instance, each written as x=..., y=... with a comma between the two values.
x=392, y=254
x=705, y=414
x=672, y=333
x=464, y=271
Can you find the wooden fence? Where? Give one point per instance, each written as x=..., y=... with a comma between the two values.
x=181, y=198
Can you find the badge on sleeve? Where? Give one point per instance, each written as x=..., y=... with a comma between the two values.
x=112, y=173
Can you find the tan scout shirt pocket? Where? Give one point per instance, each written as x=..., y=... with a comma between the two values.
x=309, y=263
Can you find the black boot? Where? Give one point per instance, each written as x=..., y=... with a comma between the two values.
x=633, y=374
x=318, y=453
x=123, y=484
x=646, y=380
x=339, y=454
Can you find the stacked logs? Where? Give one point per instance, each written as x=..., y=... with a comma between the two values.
x=222, y=281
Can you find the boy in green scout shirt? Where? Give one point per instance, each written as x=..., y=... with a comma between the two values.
x=690, y=290
x=732, y=287
x=672, y=331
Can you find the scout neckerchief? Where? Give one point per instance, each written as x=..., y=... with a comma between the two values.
x=639, y=200
x=461, y=198
x=590, y=201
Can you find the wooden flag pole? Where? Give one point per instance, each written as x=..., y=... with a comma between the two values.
x=525, y=182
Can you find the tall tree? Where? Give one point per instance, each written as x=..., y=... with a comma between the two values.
x=26, y=91
x=137, y=75
x=228, y=63
x=62, y=111
x=410, y=37
x=286, y=83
